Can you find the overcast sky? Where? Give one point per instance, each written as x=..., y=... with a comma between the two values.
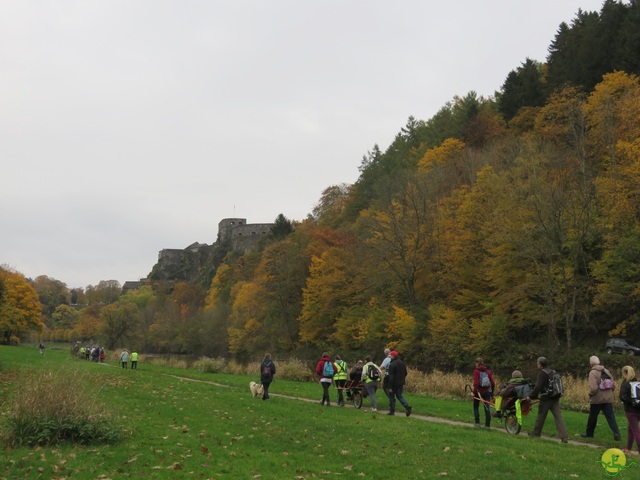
x=131, y=126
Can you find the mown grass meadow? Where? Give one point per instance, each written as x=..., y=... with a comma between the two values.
x=177, y=423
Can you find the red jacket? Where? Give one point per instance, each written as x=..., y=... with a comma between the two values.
x=320, y=367
x=476, y=381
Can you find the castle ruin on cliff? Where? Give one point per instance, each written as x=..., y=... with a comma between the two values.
x=199, y=261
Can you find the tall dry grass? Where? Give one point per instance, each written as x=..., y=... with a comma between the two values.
x=435, y=384
x=49, y=407
x=441, y=385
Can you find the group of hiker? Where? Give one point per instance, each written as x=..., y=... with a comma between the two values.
x=94, y=353
x=390, y=375
x=98, y=354
x=548, y=389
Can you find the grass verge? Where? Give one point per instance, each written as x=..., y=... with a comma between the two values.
x=175, y=427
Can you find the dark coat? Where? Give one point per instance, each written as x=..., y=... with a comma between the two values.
x=544, y=374
x=397, y=373
x=625, y=397
x=264, y=376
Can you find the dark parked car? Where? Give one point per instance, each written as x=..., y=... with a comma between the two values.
x=620, y=345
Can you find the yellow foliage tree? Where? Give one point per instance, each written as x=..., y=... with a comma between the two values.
x=246, y=318
x=401, y=331
x=20, y=309
x=448, y=332
x=332, y=287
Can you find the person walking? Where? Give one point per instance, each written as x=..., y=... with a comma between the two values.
x=124, y=358
x=631, y=407
x=483, y=387
x=601, y=388
x=134, y=360
x=548, y=402
x=340, y=378
x=397, y=378
x=325, y=369
x=384, y=367
x=267, y=372
x=371, y=375
x=41, y=347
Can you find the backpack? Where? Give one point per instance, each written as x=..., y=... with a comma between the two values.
x=606, y=382
x=328, y=371
x=635, y=394
x=485, y=381
x=373, y=373
x=555, y=388
x=523, y=391
x=266, y=372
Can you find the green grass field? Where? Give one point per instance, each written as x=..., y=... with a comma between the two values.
x=186, y=424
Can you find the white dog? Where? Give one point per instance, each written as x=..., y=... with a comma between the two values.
x=256, y=388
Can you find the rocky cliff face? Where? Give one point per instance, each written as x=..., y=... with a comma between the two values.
x=198, y=262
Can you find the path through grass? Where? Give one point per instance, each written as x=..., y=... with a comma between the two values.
x=175, y=428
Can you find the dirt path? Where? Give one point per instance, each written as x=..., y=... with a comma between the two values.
x=424, y=418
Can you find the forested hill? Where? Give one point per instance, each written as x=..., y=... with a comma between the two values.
x=506, y=227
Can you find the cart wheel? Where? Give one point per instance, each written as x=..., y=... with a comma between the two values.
x=357, y=399
x=511, y=423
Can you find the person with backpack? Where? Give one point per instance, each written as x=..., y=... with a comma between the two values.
x=601, y=389
x=326, y=370
x=267, y=372
x=483, y=387
x=371, y=375
x=630, y=398
x=340, y=378
x=396, y=381
x=549, y=388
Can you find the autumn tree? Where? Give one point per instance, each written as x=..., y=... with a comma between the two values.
x=332, y=205
x=120, y=322
x=65, y=317
x=613, y=111
x=540, y=245
x=51, y=293
x=400, y=237
x=332, y=289
x=20, y=309
x=106, y=292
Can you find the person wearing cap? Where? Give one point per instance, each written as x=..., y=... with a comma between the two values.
x=396, y=381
